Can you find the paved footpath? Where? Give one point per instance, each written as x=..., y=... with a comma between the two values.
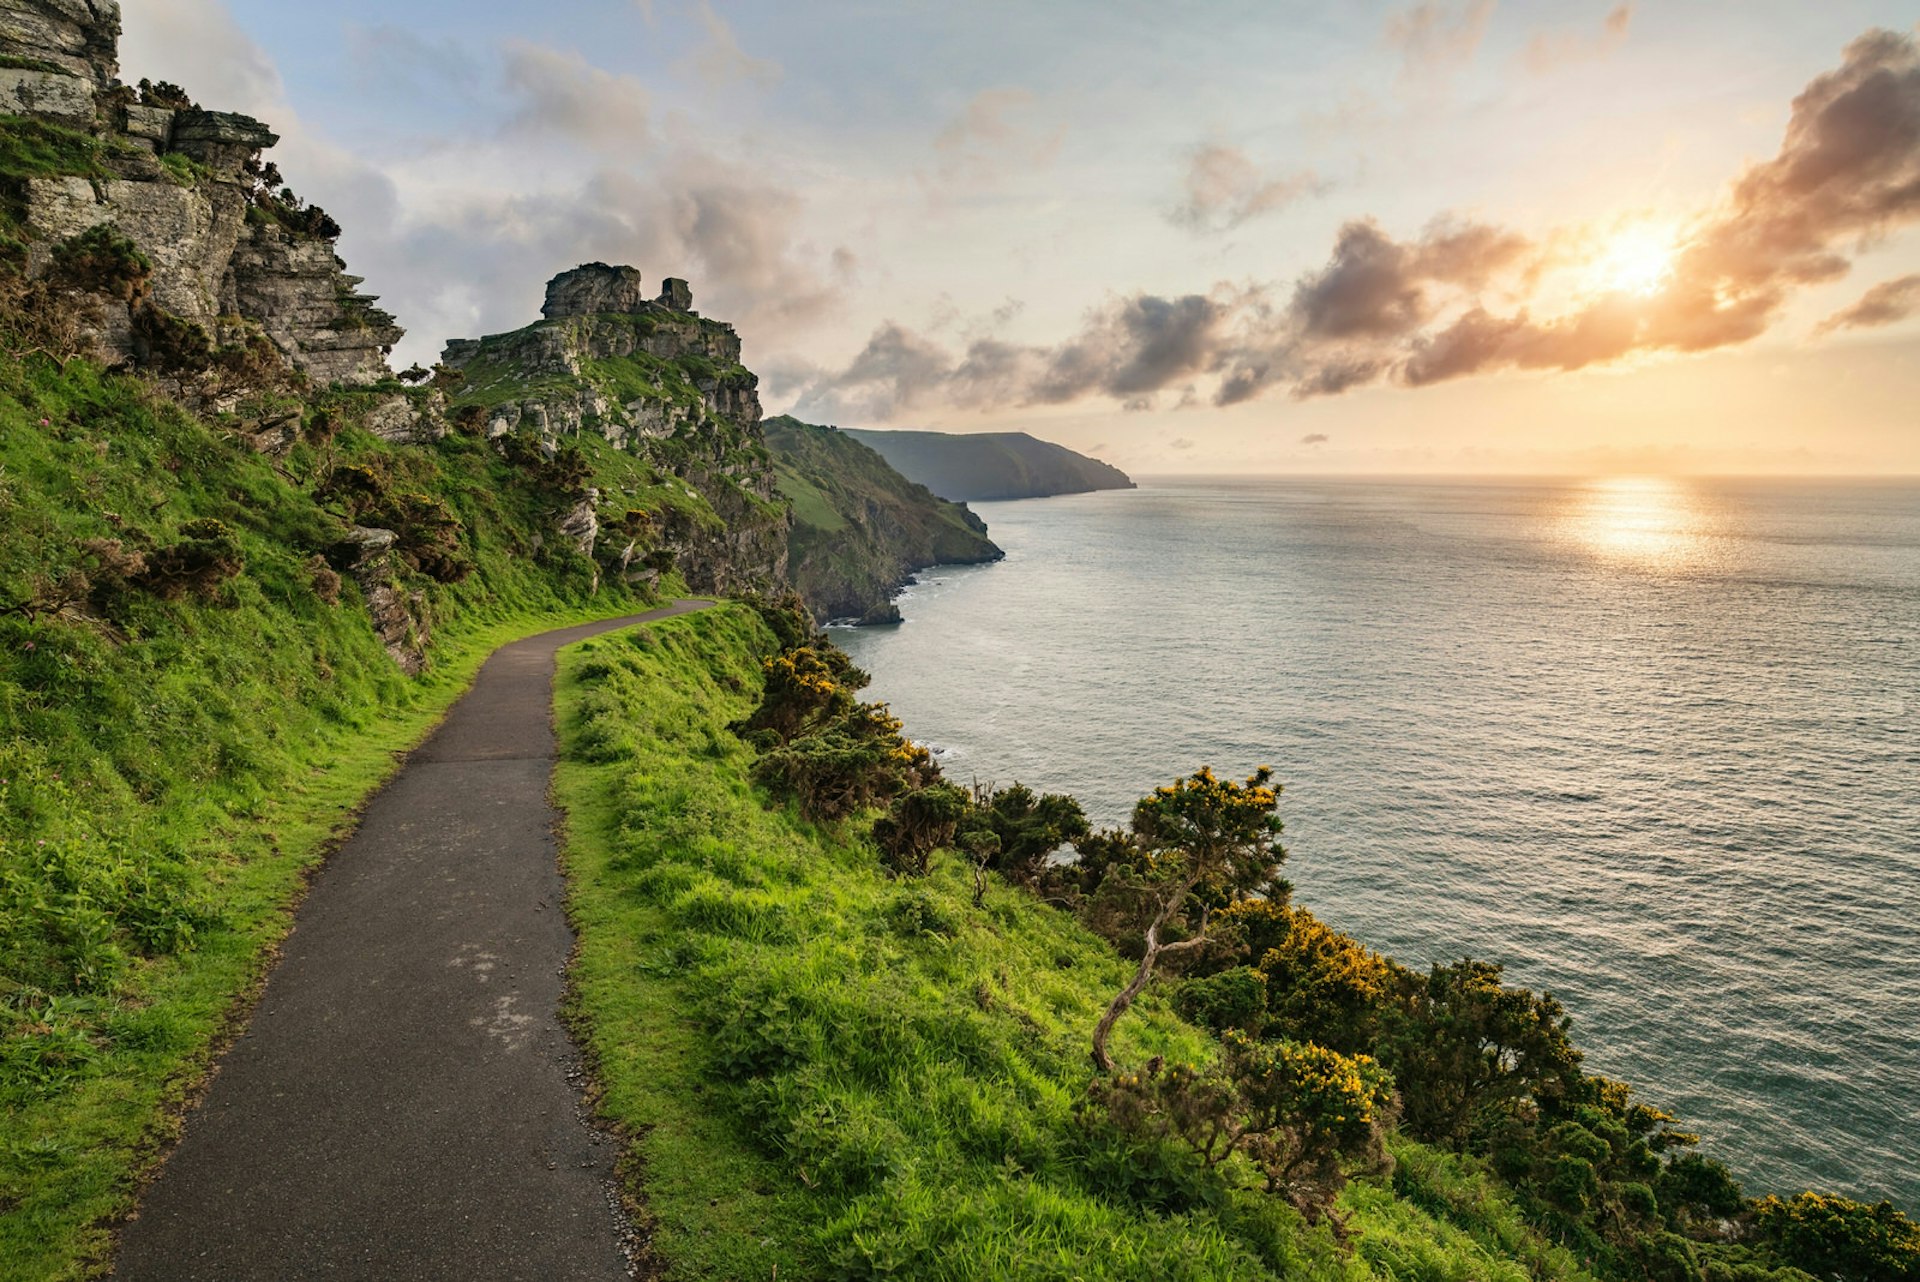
x=400, y=1105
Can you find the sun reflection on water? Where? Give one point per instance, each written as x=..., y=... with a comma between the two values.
x=1649, y=521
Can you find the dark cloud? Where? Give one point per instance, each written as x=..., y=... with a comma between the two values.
x=1465, y=298
x=1886, y=303
x=1314, y=438
x=1225, y=189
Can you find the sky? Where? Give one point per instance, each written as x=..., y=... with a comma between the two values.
x=1239, y=236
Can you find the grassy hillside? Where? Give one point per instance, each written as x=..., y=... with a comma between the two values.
x=192, y=703
x=986, y=466
x=838, y=1074
x=859, y=527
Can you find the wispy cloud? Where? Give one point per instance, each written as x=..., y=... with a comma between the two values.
x=1548, y=51
x=1435, y=39
x=991, y=136
x=1224, y=188
x=1887, y=303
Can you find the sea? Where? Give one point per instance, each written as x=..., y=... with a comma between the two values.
x=1652, y=744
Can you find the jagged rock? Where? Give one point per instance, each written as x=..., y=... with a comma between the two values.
x=150, y=126
x=592, y=288
x=296, y=288
x=46, y=93
x=576, y=372
x=580, y=524
x=363, y=543
x=275, y=435
x=392, y=418
x=209, y=261
x=81, y=37
x=221, y=140
x=189, y=234
x=676, y=294
x=880, y=615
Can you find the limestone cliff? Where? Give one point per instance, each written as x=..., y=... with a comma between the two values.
x=654, y=396
x=231, y=257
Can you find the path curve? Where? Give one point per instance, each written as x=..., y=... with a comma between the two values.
x=401, y=1104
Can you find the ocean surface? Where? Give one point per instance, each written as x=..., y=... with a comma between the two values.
x=1654, y=745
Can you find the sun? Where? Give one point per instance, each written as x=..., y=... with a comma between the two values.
x=1635, y=260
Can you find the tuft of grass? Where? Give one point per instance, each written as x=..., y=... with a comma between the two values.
x=836, y=1074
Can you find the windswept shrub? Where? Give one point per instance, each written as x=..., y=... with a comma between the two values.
x=1200, y=834
x=917, y=824
x=1301, y=1113
x=206, y=556
x=1466, y=1048
x=102, y=261
x=858, y=762
x=1840, y=1239
x=1027, y=827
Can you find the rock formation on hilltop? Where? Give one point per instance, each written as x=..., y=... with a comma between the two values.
x=231, y=259
x=663, y=386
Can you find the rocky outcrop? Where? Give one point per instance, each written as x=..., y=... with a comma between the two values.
x=593, y=288
x=227, y=256
x=79, y=38
x=400, y=618
x=613, y=360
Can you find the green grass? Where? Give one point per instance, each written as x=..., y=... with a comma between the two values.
x=170, y=771
x=837, y=1074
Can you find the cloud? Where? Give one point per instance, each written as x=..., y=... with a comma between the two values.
x=1314, y=438
x=1127, y=350
x=196, y=44
x=987, y=138
x=1180, y=443
x=1225, y=189
x=720, y=61
x=1465, y=298
x=1433, y=40
x=561, y=93
x=1886, y=303
x=1549, y=51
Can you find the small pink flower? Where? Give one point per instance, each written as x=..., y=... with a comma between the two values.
x=46, y=422
x=30, y=646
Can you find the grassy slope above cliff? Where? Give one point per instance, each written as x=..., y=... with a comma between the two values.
x=170, y=768
x=838, y=1074
x=986, y=466
x=859, y=527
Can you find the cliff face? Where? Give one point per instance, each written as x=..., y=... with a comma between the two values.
x=986, y=466
x=657, y=395
x=859, y=527
x=229, y=257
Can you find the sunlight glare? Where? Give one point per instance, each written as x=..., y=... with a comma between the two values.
x=1652, y=521
x=1636, y=260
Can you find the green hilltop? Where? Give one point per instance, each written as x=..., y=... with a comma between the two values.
x=860, y=527
x=988, y=466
